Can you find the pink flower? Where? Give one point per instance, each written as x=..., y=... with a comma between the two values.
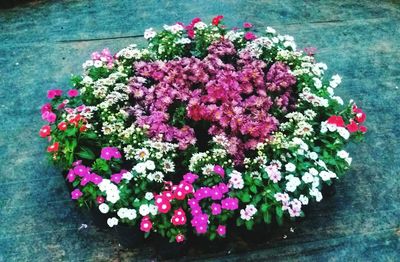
x=219, y=170
x=162, y=203
x=201, y=229
x=180, y=238
x=95, y=179
x=221, y=230
x=249, y=36
x=81, y=170
x=109, y=152
x=247, y=25
x=71, y=176
x=146, y=224
x=352, y=127
x=53, y=93
x=46, y=107
x=73, y=93
x=53, y=147
x=216, y=20
x=76, y=194
x=49, y=116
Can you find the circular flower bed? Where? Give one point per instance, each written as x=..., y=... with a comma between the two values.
x=202, y=129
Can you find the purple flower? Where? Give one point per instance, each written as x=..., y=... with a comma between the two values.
x=109, y=152
x=190, y=177
x=219, y=170
x=86, y=179
x=76, y=194
x=215, y=209
x=221, y=230
x=116, y=178
x=223, y=188
x=201, y=229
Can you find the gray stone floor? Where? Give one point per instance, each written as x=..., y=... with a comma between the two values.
x=43, y=42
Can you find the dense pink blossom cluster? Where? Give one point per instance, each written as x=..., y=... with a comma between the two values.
x=232, y=91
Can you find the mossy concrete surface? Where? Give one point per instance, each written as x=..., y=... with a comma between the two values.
x=43, y=42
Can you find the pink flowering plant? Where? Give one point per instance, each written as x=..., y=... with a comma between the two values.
x=203, y=129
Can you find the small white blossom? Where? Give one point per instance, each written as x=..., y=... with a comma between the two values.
x=113, y=221
x=104, y=208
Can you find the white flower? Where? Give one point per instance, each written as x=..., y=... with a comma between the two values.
x=284, y=197
x=313, y=156
x=303, y=199
x=144, y=210
x=313, y=171
x=336, y=80
x=315, y=183
x=148, y=196
x=127, y=175
x=236, y=180
x=325, y=175
x=156, y=176
x=293, y=183
x=142, y=154
x=251, y=209
x=113, y=196
x=200, y=25
x=349, y=160
x=307, y=178
x=317, y=83
x=104, y=208
x=149, y=33
x=338, y=99
x=150, y=165
x=207, y=169
x=343, y=132
x=140, y=168
x=131, y=214
x=343, y=154
x=98, y=63
x=290, y=167
x=113, y=221
x=103, y=185
x=122, y=212
x=153, y=209
x=316, y=193
x=168, y=166
x=183, y=41
x=270, y=30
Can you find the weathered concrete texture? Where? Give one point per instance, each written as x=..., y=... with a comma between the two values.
x=43, y=42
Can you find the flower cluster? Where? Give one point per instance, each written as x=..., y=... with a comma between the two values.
x=203, y=126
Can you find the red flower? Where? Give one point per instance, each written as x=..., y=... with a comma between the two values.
x=190, y=33
x=336, y=120
x=360, y=115
x=195, y=21
x=83, y=128
x=180, y=194
x=62, y=126
x=45, y=131
x=352, y=127
x=53, y=147
x=145, y=224
x=216, y=20
x=363, y=129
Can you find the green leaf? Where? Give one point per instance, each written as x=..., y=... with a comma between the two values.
x=86, y=153
x=279, y=211
x=267, y=217
x=264, y=207
x=253, y=189
x=249, y=224
x=70, y=131
x=246, y=197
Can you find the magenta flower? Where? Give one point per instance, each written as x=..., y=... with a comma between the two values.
x=116, y=178
x=223, y=188
x=230, y=203
x=95, y=179
x=249, y=36
x=109, y=152
x=201, y=229
x=216, y=194
x=219, y=170
x=221, y=230
x=190, y=177
x=215, y=209
x=46, y=107
x=86, y=179
x=71, y=176
x=100, y=199
x=81, y=170
x=53, y=93
x=76, y=194
x=73, y=93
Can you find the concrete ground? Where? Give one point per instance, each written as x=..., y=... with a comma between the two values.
x=43, y=42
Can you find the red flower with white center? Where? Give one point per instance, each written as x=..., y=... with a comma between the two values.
x=352, y=127
x=179, y=194
x=45, y=131
x=83, y=128
x=363, y=129
x=162, y=204
x=62, y=126
x=360, y=115
x=336, y=120
x=53, y=147
x=146, y=224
